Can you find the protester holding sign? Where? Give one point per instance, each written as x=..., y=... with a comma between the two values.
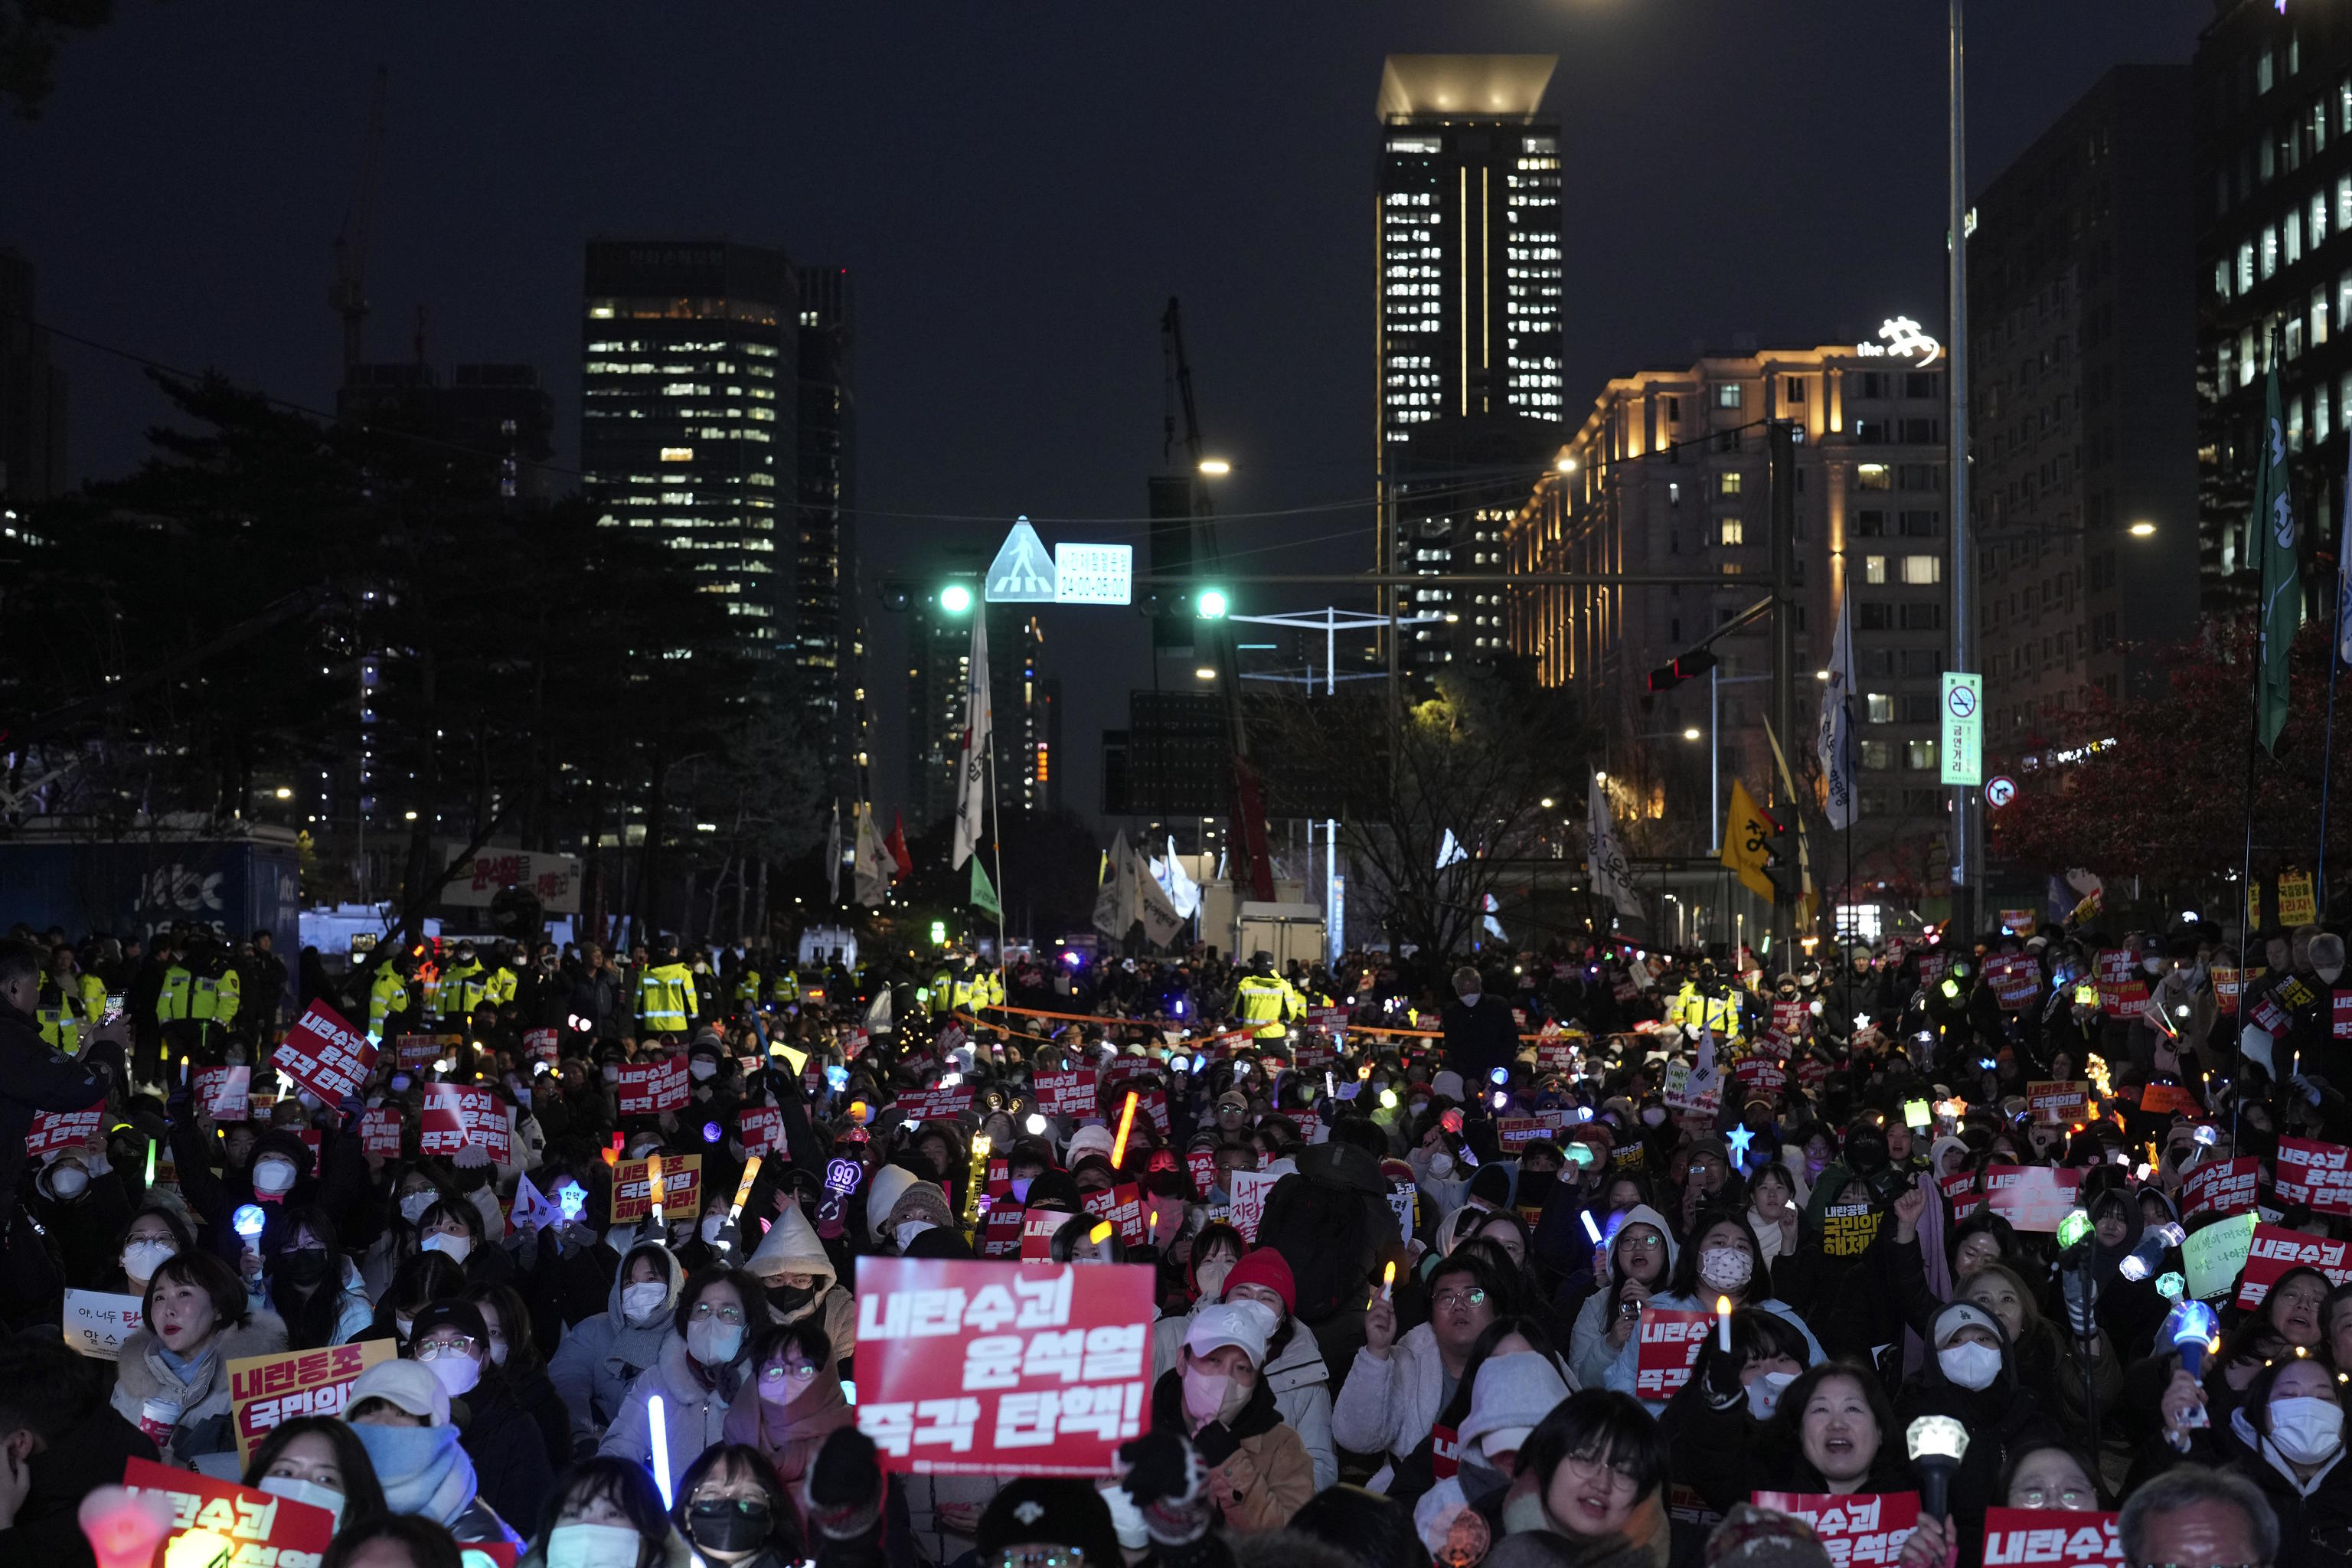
x=1722, y=1263
x=173, y=1381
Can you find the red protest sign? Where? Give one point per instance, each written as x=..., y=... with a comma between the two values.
x=1961, y=1191
x=2031, y=1197
x=926, y=1104
x=1764, y=1078
x=2275, y=1249
x=1066, y=1093
x=1038, y=1228
x=262, y=1526
x=64, y=1129
x=267, y=1391
x=2050, y=1538
x=1516, y=1132
x=2165, y=1099
x=1671, y=1342
x=1556, y=1053
x=1812, y=1073
x=414, y=1053
x=2340, y=1014
x=762, y=1130
x=226, y=1092
x=1123, y=1206
x=2225, y=990
x=541, y=1043
x=1001, y=1369
x=1788, y=1018
x=456, y=1115
x=2059, y=1104
x=1001, y=1238
x=1856, y=1529
x=326, y=1056
x=2319, y=1175
x=2121, y=988
x=633, y=1187
x=648, y=1089
x=1249, y=1189
x=379, y=1133
x=2015, y=979
x=1202, y=1165
x=2223, y=1187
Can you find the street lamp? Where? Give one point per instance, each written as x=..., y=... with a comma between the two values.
x=1212, y=605
x=2143, y=529
x=1545, y=803
x=1215, y=468
x=1600, y=776
x=1691, y=734
x=1566, y=465
x=1204, y=673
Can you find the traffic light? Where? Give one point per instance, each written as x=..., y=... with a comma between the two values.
x=1686, y=667
x=955, y=598
x=1210, y=603
x=1780, y=867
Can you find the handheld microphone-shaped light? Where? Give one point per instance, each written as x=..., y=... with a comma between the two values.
x=2191, y=1329
x=1937, y=1443
x=249, y=1221
x=124, y=1526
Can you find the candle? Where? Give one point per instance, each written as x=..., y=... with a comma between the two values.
x=1723, y=1324
x=1125, y=1123
x=183, y=1069
x=1387, y=1280
x=654, y=1180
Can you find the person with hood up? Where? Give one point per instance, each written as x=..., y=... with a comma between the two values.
x=1295, y=1368
x=1511, y=1397
x=601, y=1356
x=1639, y=1259
x=2127, y=1310
x=1259, y=1473
x=1972, y=1377
x=1723, y=1262
x=798, y=1275
x=886, y=1191
x=1396, y=1386
x=173, y=1381
x=793, y=1402
x=703, y=1364
x=400, y=1413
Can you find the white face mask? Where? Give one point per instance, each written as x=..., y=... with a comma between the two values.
x=458, y=1373
x=142, y=1258
x=905, y=1234
x=497, y=1353
x=1654, y=1116
x=641, y=1304
x=2306, y=1430
x=456, y=1247
x=2153, y=965
x=403, y=1325
x=592, y=1546
x=1470, y=998
x=712, y=1224
x=712, y=1342
x=1725, y=1268
x=703, y=1069
x=294, y=1489
x=273, y=1175
x=1440, y=1164
x=1972, y=1366
x=68, y=1181
x=413, y=1206
x=1764, y=1393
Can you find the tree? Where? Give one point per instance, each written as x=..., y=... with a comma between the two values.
x=32, y=32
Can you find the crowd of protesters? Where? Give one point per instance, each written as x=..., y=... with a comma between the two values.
x=1467, y=1190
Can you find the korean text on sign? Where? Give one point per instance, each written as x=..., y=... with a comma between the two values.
x=2059, y=1104
x=326, y=1056
x=2319, y=1175
x=2050, y=1538
x=648, y=1089
x=455, y=1116
x=2031, y=1197
x=2276, y=1250
x=2223, y=1187
x=63, y=1129
x=416, y=1052
x=262, y=1528
x=930, y=1104
x=1670, y=1343
x=1001, y=1369
x=267, y=1391
x=224, y=1092
x=633, y=1187
x=1066, y=1093
x=1858, y=1528
x=762, y=1130
x=379, y=1133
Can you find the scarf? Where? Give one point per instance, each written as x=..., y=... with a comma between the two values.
x=423, y=1469
x=789, y=1434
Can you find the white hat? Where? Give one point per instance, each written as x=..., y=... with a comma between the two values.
x=882, y=1194
x=1514, y=1393
x=1447, y=1083
x=1091, y=1140
x=410, y=1385
x=1248, y=1324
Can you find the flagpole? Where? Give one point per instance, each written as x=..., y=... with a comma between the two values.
x=2327, y=746
x=996, y=851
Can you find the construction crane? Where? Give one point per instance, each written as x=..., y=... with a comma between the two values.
x=347, y=291
x=1254, y=866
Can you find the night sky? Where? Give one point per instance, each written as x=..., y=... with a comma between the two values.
x=1016, y=189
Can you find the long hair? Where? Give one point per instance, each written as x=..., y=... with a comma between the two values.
x=362, y=1494
x=309, y=1319
x=514, y=1326
x=730, y=1461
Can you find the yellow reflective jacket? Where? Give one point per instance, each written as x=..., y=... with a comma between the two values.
x=664, y=999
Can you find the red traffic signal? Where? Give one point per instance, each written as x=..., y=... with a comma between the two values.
x=1689, y=667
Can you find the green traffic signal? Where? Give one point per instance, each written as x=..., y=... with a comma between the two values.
x=955, y=598
x=1211, y=605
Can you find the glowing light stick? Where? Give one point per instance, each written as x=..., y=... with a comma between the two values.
x=249, y=1222
x=1591, y=1227
x=151, y=1162
x=1387, y=1280
x=1937, y=1444
x=660, y=1432
x=124, y=1527
x=183, y=1069
x=1126, y=1124
x=743, y=1188
x=654, y=1184
x=2192, y=1329
x=1723, y=1324
x=1100, y=1233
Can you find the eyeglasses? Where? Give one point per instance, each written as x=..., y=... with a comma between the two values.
x=1644, y=1243
x=1472, y=1297
x=2312, y=1299
x=1036, y=1557
x=433, y=1349
x=2075, y=1498
x=703, y=1311
x=778, y=1372
x=1591, y=1462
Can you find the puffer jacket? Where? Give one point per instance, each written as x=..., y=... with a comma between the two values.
x=601, y=1356
x=200, y=1394
x=791, y=1246
x=1302, y=1387
x=1259, y=1474
x=694, y=1411
x=1388, y=1407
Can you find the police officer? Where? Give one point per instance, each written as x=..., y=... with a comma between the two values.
x=1264, y=1000
x=665, y=995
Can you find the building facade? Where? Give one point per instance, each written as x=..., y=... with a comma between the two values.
x=1668, y=477
x=2083, y=398
x=828, y=616
x=497, y=412
x=32, y=393
x=1022, y=701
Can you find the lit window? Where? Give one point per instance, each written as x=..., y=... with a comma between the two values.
x=1726, y=484
x=1922, y=570
x=1731, y=530
x=1919, y=756
x=678, y=454
x=1726, y=396
x=1873, y=477
x=1878, y=708
x=1873, y=569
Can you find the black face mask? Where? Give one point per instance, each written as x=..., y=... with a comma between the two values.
x=791, y=1298
x=302, y=1265
x=728, y=1524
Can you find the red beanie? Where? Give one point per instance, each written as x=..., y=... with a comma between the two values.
x=1267, y=1268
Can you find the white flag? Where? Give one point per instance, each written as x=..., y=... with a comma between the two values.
x=1834, y=745
x=971, y=767
x=1182, y=891
x=1114, y=900
x=1161, y=920
x=833, y=858
x=874, y=865
x=1604, y=862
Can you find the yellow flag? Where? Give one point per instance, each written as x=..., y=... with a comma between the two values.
x=1744, y=833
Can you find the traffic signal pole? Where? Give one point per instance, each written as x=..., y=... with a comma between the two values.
x=1781, y=438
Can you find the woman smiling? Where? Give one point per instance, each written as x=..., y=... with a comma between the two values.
x=173, y=1382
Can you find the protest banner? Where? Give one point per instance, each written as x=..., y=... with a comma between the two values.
x=2031, y=1197
x=2213, y=1257
x=2319, y=1175
x=1557, y=1053
x=648, y=1089
x=1249, y=1189
x=326, y=1056
x=2015, y=979
x=379, y=1133
x=2225, y=990
x=2050, y=1538
x=2297, y=907
x=2017, y=922
x=930, y=1104
x=1850, y=1224
x=1516, y=1132
x=2224, y=1186
x=1001, y=1369
x=1689, y=1092
x=1038, y=1228
x=1762, y=1078
x=226, y=1092
x=633, y=1188
x=414, y=1053
x=1965, y=1196
x=266, y=1390
x=2121, y=988
x=1404, y=1203
x=1812, y=1073
x=1788, y=1018
x=1122, y=1205
x=2275, y=1249
x=542, y=1045
x=2168, y=1099
x=97, y=1322
x=761, y=1128
x=456, y=1115
x=1202, y=1163
x=1672, y=1339
x=63, y=1129
x=261, y=1528
x=2060, y=1104
x=1001, y=1234
x=1856, y=1529
x=1066, y=1093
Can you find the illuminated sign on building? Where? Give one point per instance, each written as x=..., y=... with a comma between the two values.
x=1904, y=339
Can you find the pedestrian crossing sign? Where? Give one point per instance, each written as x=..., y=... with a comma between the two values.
x=1022, y=572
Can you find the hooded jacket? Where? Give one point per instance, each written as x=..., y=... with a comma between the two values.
x=2311, y=1513
x=601, y=1356
x=1590, y=1356
x=201, y=1391
x=1727, y=1455
x=1259, y=1474
x=694, y=1412
x=791, y=1246
x=1995, y=1416
x=80, y=1460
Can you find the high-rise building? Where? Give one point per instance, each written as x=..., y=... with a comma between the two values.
x=689, y=413
x=2083, y=389
x=1668, y=477
x=498, y=412
x=1469, y=335
x=32, y=393
x=1021, y=701
x=2271, y=112
x=828, y=626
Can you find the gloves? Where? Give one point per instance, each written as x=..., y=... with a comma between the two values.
x=1169, y=1481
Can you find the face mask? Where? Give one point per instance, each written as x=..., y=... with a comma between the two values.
x=456, y=1247
x=612, y=1075
x=1813, y=1168
x=726, y=1525
x=301, y=1490
x=641, y=1304
x=712, y=1342
x=458, y=1373
x=273, y=1175
x=142, y=1258
x=2152, y=965
x=905, y=1234
x=1725, y=1268
x=2306, y=1430
x=68, y=1181
x=403, y=1323
x=2328, y=972
x=703, y=1069
x=1972, y=1366
x=1021, y=1188
x=1206, y=1394
x=592, y=1546
x=1654, y=1116
x=413, y=1206
x=1470, y=998
x=1211, y=1277
x=1764, y=1393
x=1440, y=1164
x=712, y=1224
x=302, y=1265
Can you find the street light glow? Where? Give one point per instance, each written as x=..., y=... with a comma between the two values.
x=2142, y=529
x=1602, y=777
x=1566, y=465
x=1545, y=803
x=1215, y=467
x=955, y=598
x=285, y=793
x=1691, y=734
x=1204, y=673
x=1212, y=605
